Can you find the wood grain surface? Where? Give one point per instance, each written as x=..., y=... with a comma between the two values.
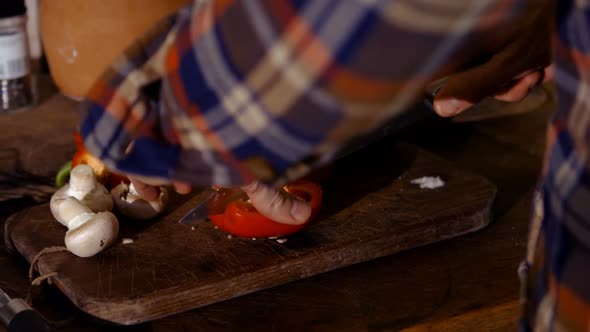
x=371, y=210
x=500, y=318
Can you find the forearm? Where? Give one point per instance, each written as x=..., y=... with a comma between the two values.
x=264, y=90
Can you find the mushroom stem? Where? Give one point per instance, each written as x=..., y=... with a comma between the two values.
x=69, y=209
x=82, y=179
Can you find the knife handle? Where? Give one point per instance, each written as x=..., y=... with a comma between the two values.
x=19, y=317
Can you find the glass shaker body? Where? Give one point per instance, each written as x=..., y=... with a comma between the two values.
x=15, y=68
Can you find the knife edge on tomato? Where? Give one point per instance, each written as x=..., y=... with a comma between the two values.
x=241, y=218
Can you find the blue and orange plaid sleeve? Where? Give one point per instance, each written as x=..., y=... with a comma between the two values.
x=228, y=91
x=556, y=272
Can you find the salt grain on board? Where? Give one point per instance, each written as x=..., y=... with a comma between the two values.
x=429, y=182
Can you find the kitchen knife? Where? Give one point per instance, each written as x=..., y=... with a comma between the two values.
x=17, y=316
x=224, y=197
x=206, y=208
x=488, y=108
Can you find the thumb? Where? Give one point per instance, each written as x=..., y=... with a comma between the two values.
x=277, y=205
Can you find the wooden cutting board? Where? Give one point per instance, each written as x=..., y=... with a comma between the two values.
x=371, y=209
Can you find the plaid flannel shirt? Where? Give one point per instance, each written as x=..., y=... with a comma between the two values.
x=225, y=91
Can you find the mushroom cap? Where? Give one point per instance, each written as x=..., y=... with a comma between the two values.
x=94, y=235
x=132, y=205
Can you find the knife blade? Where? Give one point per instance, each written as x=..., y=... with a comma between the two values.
x=205, y=208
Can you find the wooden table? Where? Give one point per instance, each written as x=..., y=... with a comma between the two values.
x=463, y=284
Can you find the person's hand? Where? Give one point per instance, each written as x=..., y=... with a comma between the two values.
x=151, y=191
x=277, y=205
x=519, y=56
x=447, y=105
x=271, y=203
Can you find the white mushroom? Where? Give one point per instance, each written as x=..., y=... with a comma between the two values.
x=84, y=187
x=131, y=204
x=83, y=206
x=88, y=232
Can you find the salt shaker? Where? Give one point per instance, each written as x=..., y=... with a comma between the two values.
x=15, y=69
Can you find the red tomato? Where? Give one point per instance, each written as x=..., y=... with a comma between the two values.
x=242, y=219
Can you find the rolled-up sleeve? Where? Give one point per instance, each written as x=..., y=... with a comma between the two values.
x=224, y=92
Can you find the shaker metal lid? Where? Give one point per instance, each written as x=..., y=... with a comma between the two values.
x=10, y=8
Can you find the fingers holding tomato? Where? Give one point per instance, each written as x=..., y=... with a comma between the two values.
x=242, y=219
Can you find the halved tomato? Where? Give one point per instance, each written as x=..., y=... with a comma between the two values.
x=242, y=219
